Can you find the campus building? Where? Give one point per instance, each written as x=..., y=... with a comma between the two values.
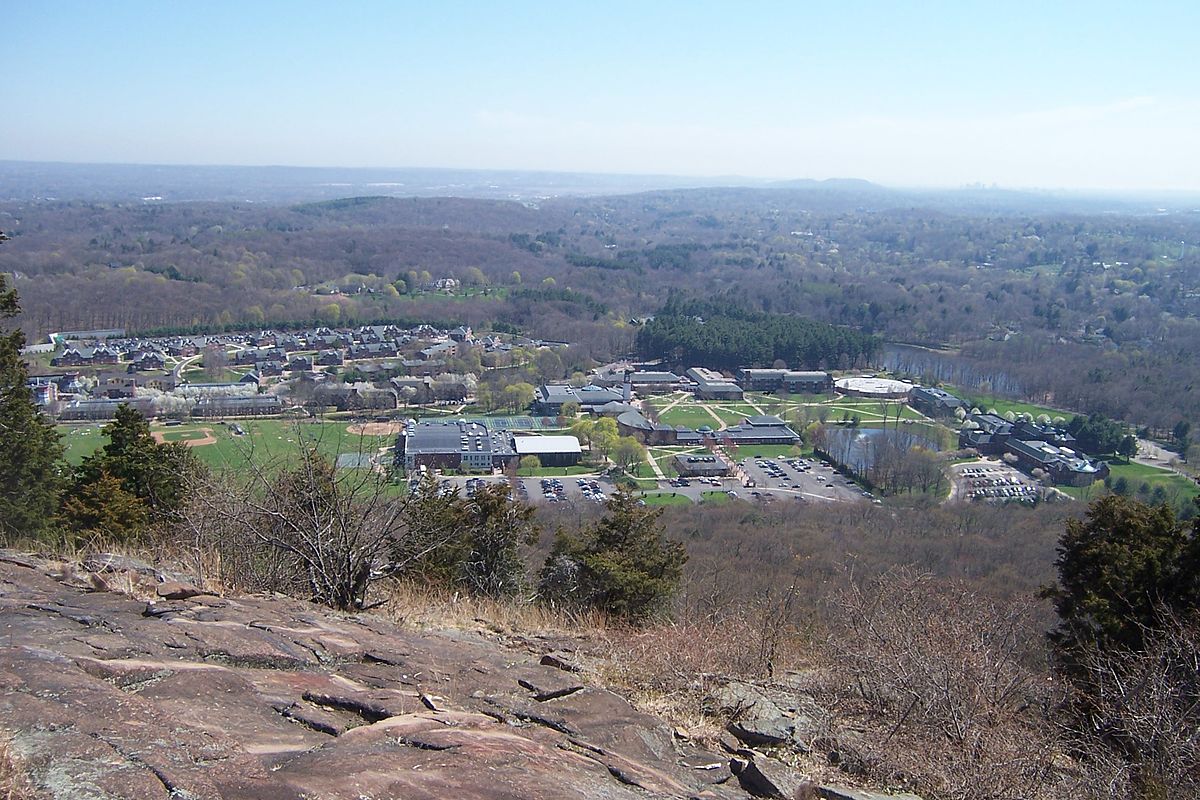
x=1062, y=464
x=551, y=451
x=760, y=430
x=712, y=385
x=791, y=381
x=934, y=402
x=644, y=382
x=550, y=398
x=465, y=446
x=634, y=423
x=454, y=445
x=1034, y=446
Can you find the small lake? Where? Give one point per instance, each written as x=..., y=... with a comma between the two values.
x=855, y=447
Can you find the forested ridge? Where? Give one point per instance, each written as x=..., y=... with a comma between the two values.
x=1082, y=310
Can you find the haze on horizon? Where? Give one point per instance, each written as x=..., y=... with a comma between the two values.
x=1070, y=95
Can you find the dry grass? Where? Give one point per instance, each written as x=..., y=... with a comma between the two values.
x=14, y=785
x=437, y=608
x=668, y=669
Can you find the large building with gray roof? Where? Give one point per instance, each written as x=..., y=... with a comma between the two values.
x=470, y=446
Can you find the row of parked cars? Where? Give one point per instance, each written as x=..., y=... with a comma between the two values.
x=1021, y=491
x=591, y=490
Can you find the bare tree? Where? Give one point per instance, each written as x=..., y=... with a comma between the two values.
x=312, y=530
x=944, y=678
x=1141, y=715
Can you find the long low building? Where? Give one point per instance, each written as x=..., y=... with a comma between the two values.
x=934, y=402
x=549, y=399
x=551, y=451
x=460, y=445
x=712, y=385
x=760, y=430
x=791, y=381
x=701, y=466
x=1062, y=464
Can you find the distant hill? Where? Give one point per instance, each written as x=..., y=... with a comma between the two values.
x=22, y=181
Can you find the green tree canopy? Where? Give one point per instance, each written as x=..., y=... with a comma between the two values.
x=157, y=474
x=30, y=449
x=1118, y=570
x=622, y=565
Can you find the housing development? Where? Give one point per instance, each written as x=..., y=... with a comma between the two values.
x=416, y=378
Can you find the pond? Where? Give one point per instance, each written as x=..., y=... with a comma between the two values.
x=856, y=447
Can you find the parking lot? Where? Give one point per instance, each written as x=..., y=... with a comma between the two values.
x=800, y=478
x=537, y=490
x=994, y=482
x=773, y=479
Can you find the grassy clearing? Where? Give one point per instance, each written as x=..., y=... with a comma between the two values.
x=732, y=417
x=200, y=375
x=738, y=409
x=81, y=441
x=643, y=483
x=768, y=451
x=715, y=497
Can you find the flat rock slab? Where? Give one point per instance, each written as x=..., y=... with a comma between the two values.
x=106, y=696
x=103, y=695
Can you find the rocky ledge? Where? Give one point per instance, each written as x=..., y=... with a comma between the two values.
x=188, y=695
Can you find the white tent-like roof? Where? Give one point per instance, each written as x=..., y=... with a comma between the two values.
x=545, y=445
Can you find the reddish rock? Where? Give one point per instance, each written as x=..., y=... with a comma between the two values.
x=177, y=590
x=266, y=698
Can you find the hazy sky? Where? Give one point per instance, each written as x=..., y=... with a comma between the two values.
x=1048, y=94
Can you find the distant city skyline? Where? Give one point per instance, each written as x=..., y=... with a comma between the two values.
x=1084, y=96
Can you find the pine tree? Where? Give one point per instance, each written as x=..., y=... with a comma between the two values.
x=1118, y=572
x=156, y=474
x=623, y=565
x=30, y=450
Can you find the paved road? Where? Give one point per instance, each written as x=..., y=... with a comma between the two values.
x=1152, y=454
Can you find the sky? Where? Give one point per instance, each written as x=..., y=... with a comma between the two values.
x=1075, y=95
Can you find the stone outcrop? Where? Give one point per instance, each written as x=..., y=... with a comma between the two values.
x=169, y=692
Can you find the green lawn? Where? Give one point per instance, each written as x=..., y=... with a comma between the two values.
x=542, y=472
x=271, y=444
x=733, y=416
x=80, y=441
x=643, y=483
x=767, y=451
x=1003, y=406
x=688, y=415
x=1179, y=490
x=200, y=375
x=793, y=399
x=740, y=410
x=715, y=497
x=666, y=499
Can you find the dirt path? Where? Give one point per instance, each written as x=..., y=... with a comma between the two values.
x=375, y=428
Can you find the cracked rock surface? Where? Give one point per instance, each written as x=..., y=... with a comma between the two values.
x=195, y=696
